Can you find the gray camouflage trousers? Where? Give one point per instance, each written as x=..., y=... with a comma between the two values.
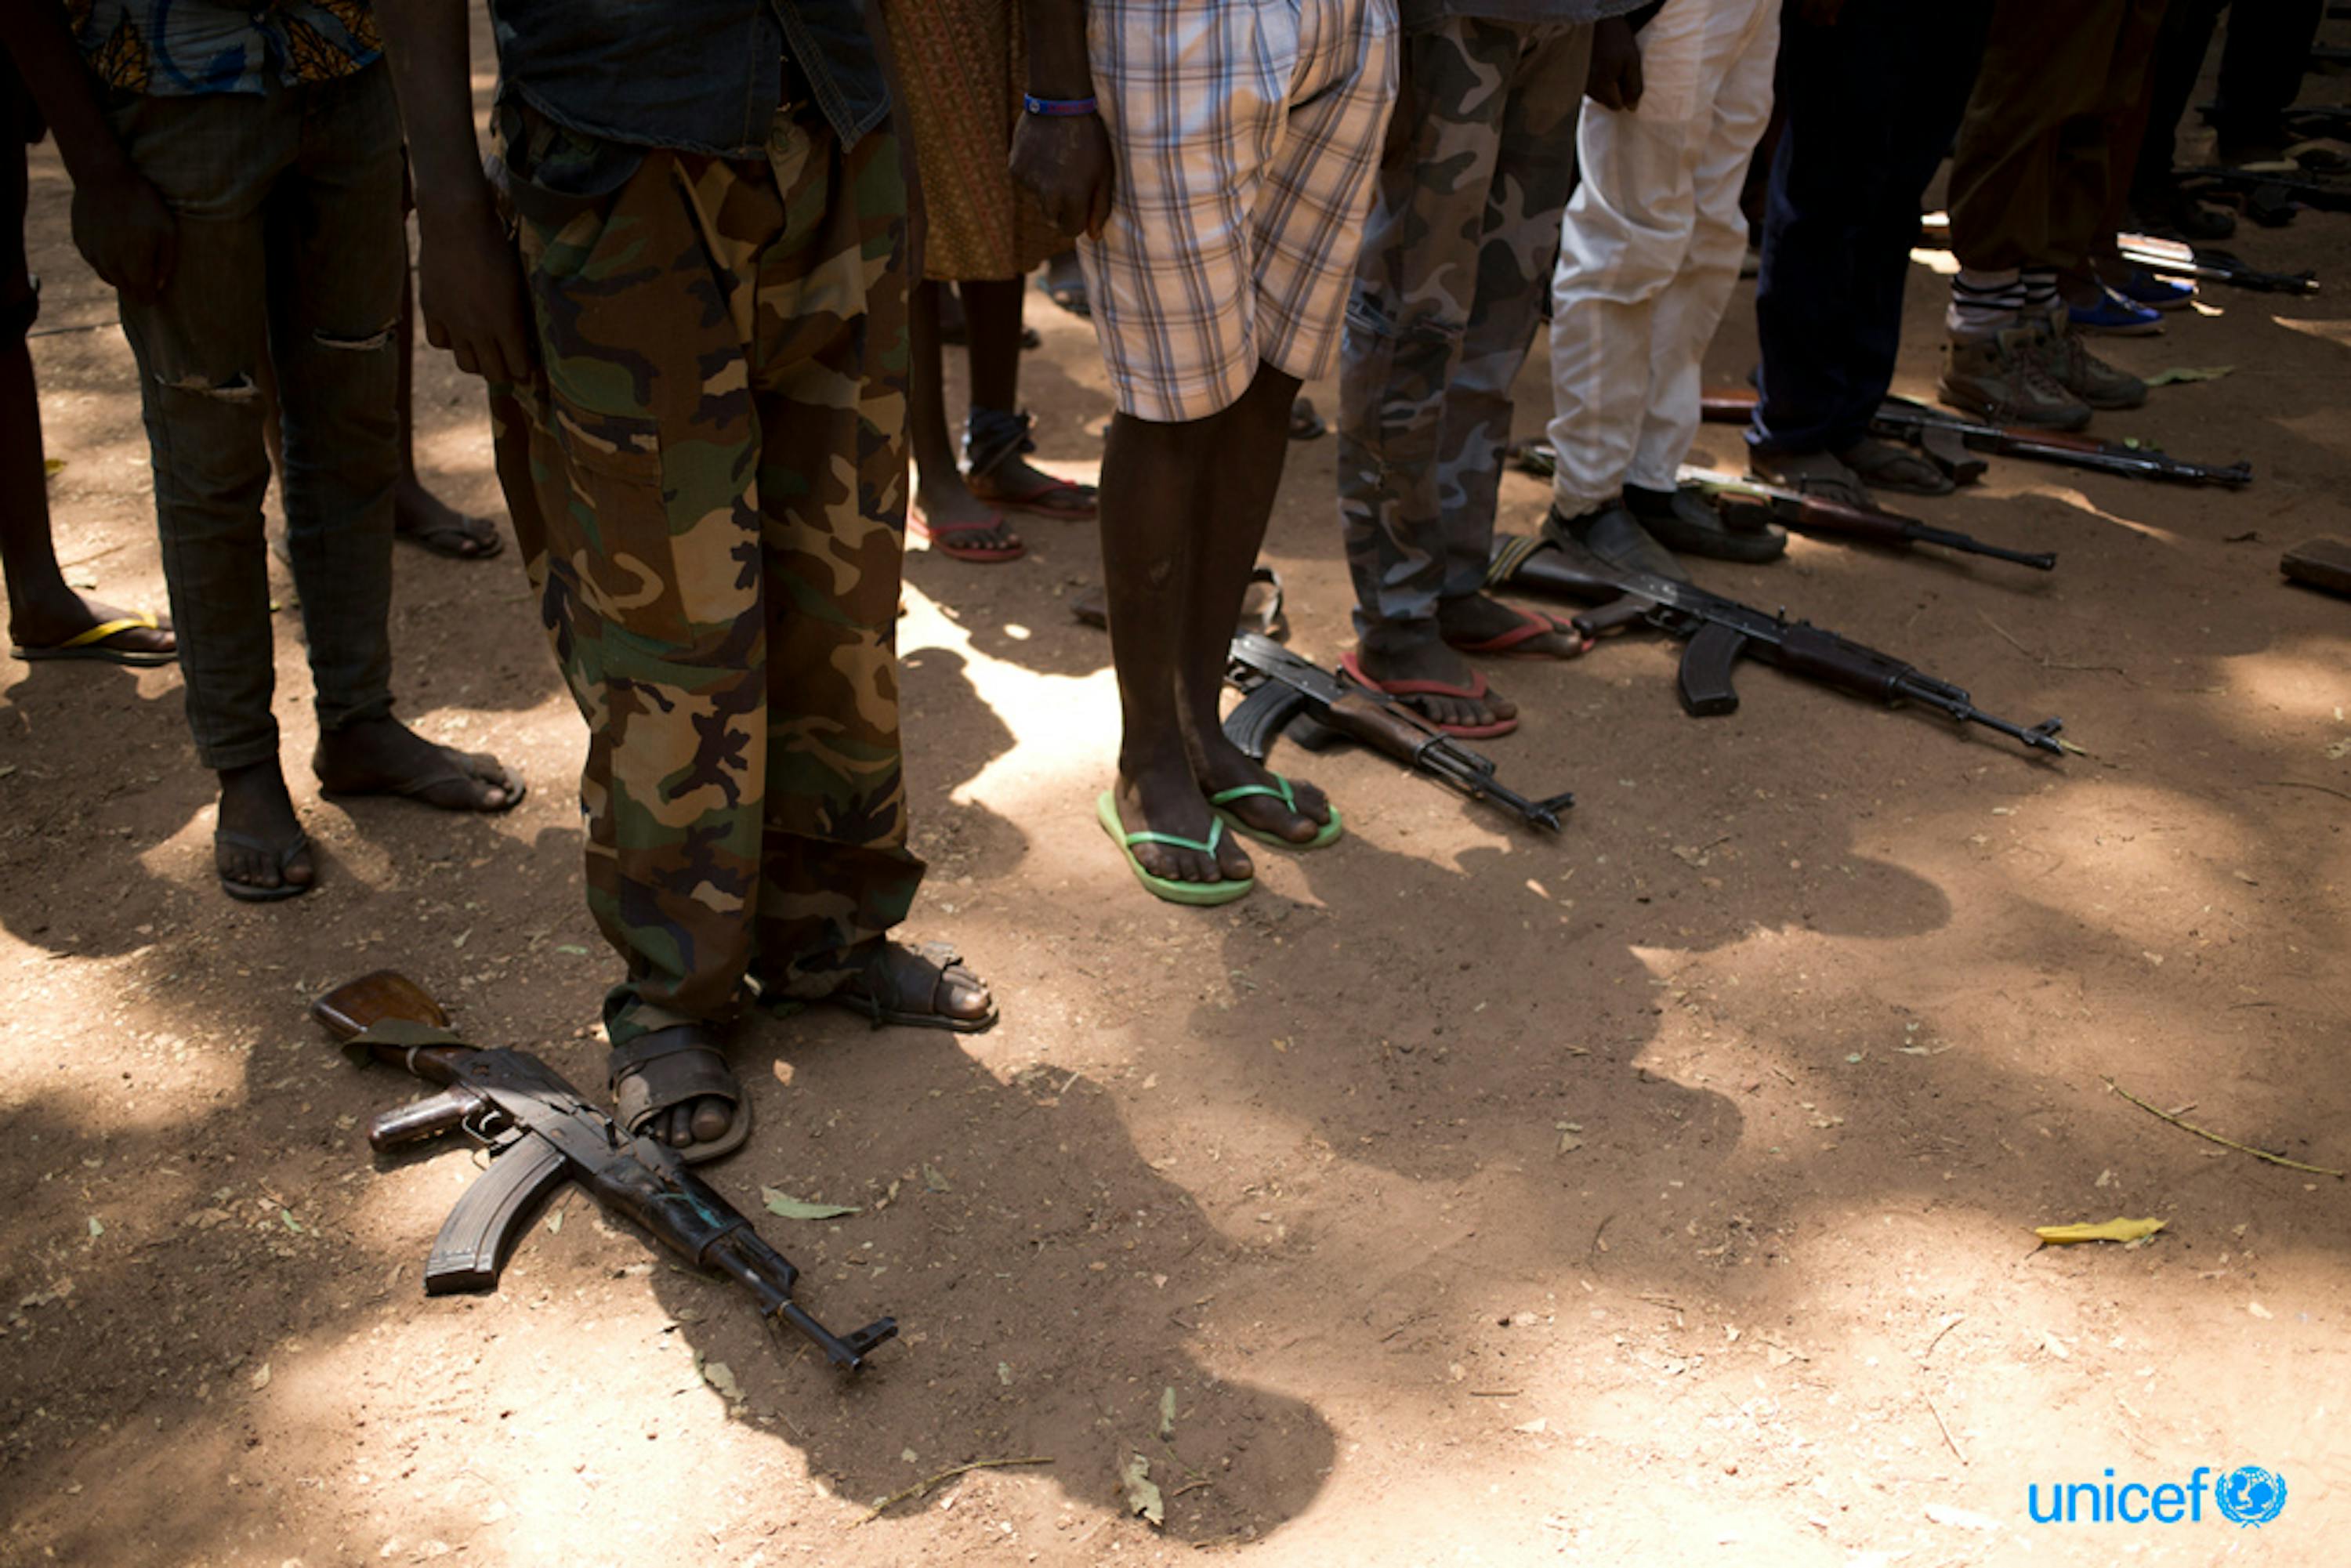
x=1480, y=161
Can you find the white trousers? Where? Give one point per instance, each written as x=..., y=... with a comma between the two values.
x=1651, y=245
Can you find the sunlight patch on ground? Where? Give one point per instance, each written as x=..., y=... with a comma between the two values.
x=2080, y=502
x=2335, y=332
x=1067, y=726
x=2306, y=684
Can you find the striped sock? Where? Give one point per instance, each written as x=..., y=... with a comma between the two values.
x=1983, y=302
x=2040, y=285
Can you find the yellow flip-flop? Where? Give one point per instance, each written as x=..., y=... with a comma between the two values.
x=91, y=645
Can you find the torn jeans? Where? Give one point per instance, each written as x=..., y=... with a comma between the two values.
x=290, y=246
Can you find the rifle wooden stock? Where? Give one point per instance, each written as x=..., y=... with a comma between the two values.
x=1383, y=726
x=1728, y=405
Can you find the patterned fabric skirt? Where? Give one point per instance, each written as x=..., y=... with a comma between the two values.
x=961, y=71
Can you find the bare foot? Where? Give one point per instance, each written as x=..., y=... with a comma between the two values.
x=1169, y=801
x=949, y=509
x=384, y=757
x=1222, y=765
x=1479, y=619
x=53, y=620
x=918, y=983
x=420, y=516
x=1433, y=661
x=256, y=806
x=1016, y=482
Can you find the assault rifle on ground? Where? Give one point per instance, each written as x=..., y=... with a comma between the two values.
x=541, y=1133
x=1719, y=631
x=1282, y=688
x=2170, y=258
x=1935, y=432
x=1819, y=516
x=2270, y=195
x=1827, y=518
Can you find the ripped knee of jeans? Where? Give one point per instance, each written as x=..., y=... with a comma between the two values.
x=362, y=343
x=239, y=388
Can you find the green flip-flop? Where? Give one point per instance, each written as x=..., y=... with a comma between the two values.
x=1174, y=891
x=1279, y=790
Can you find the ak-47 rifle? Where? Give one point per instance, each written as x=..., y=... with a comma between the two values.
x=1900, y=419
x=540, y=1134
x=1819, y=516
x=2172, y=258
x=1825, y=518
x=2270, y=195
x=1281, y=687
x=1720, y=630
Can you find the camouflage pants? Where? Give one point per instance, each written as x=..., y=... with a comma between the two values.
x=1480, y=161
x=711, y=511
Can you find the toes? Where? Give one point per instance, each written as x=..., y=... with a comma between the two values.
x=246, y=867
x=1233, y=863
x=963, y=999
x=710, y=1119
x=298, y=871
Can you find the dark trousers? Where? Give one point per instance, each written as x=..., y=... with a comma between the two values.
x=2262, y=66
x=1872, y=102
x=290, y=249
x=2036, y=175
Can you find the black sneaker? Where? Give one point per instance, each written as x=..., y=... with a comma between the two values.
x=1617, y=537
x=1683, y=520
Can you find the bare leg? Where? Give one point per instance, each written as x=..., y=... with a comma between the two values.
x=940, y=493
x=417, y=512
x=1184, y=509
x=1237, y=500
x=993, y=311
x=42, y=610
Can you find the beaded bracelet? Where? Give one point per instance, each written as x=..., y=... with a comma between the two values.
x=1070, y=107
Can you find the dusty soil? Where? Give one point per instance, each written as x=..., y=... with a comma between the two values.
x=1658, y=1192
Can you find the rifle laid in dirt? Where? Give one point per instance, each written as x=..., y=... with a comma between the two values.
x=1935, y=430
x=2172, y=258
x=1719, y=631
x=1279, y=689
x=2271, y=196
x=1819, y=516
x=540, y=1134
x=1825, y=518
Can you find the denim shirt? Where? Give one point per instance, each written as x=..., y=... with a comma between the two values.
x=699, y=76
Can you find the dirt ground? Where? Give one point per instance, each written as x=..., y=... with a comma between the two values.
x=1658, y=1192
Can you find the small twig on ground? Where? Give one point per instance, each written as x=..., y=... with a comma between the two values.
x=1190, y=1486
x=1496, y=1393
x=1599, y=1231
x=1957, y=1319
x=2305, y=784
x=919, y=1488
x=2043, y=660
x=1944, y=1430
x=2227, y=1143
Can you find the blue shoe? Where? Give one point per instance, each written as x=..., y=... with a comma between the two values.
x=2143, y=287
x=2115, y=316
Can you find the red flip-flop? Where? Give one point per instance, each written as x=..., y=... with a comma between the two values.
x=1529, y=627
x=942, y=539
x=1404, y=689
x=1077, y=501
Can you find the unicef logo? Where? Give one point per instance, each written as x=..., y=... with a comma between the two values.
x=2251, y=1495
